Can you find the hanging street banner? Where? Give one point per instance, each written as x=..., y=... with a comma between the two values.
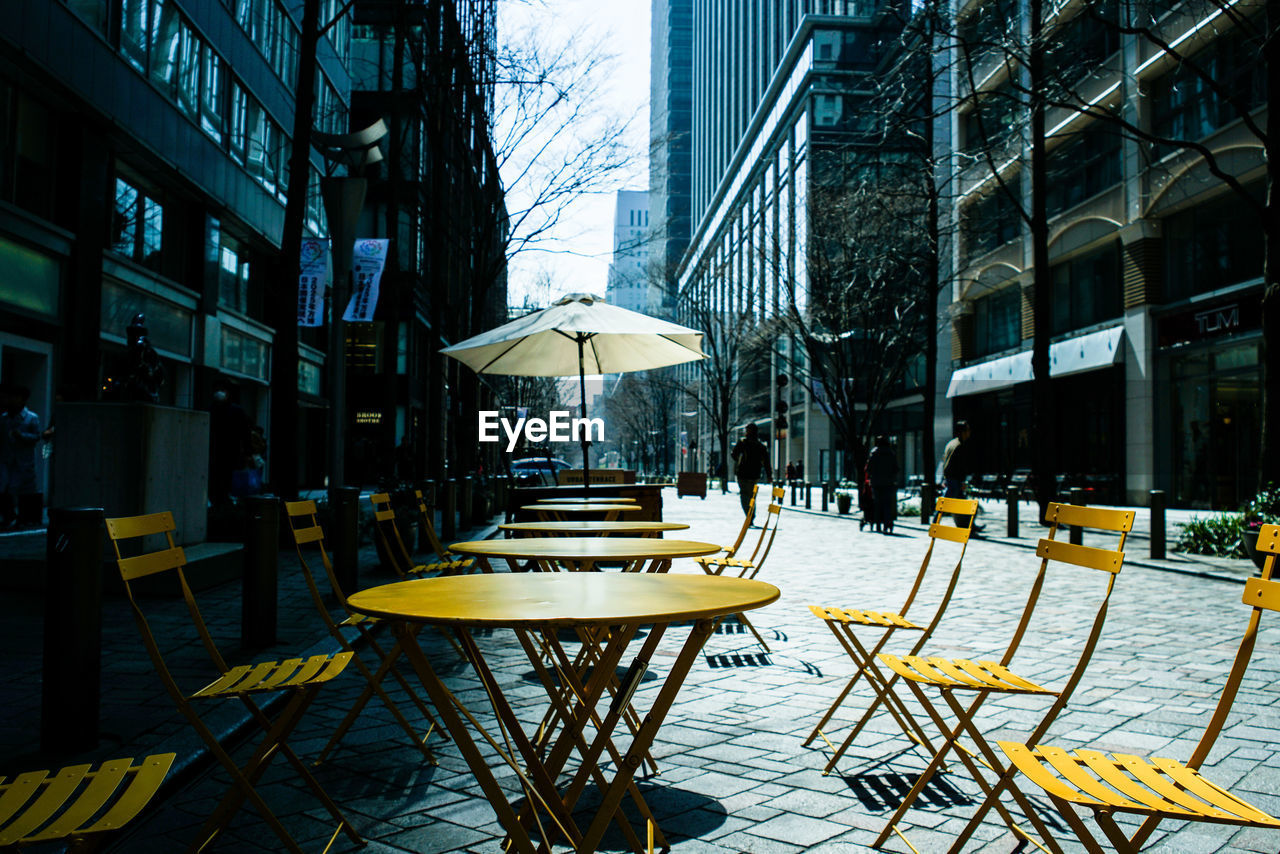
x=312, y=281
x=367, y=263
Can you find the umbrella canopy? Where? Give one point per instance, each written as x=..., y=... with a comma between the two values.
x=579, y=334
x=545, y=343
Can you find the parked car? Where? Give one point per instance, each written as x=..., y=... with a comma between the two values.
x=537, y=470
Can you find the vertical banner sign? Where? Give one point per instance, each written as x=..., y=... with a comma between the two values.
x=311, y=281
x=367, y=263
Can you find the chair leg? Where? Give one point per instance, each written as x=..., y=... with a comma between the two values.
x=372, y=688
x=308, y=695
x=1081, y=830
x=243, y=778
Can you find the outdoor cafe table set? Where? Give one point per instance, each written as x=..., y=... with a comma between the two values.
x=586, y=699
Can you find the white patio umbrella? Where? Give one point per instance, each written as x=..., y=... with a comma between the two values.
x=579, y=334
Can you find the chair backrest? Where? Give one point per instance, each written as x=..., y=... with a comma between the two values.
x=425, y=516
x=940, y=529
x=746, y=522
x=307, y=531
x=169, y=559
x=769, y=528
x=1260, y=594
x=384, y=521
x=1051, y=550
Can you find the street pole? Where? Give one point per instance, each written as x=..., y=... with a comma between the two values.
x=343, y=199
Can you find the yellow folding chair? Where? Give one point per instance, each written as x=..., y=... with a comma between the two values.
x=732, y=550
x=844, y=621
x=307, y=532
x=990, y=678
x=396, y=550
x=78, y=804
x=300, y=679
x=749, y=567
x=1155, y=788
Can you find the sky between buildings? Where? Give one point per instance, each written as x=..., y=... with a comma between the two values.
x=584, y=236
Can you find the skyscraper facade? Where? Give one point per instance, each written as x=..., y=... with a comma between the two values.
x=630, y=285
x=670, y=138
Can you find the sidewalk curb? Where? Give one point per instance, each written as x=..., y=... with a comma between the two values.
x=911, y=523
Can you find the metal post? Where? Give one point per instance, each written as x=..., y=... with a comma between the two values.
x=927, y=494
x=466, y=499
x=449, y=511
x=259, y=592
x=808, y=495
x=428, y=489
x=1076, y=536
x=792, y=484
x=1157, y=524
x=826, y=494
x=345, y=502
x=1012, y=494
x=72, y=631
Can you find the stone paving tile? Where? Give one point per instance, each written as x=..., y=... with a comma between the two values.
x=735, y=778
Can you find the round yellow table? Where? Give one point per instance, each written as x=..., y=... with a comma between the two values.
x=601, y=500
x=589, y=528
x=560, y=512
x=611, y=606
x=579, y=554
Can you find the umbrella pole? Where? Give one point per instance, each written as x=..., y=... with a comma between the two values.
x=582, y=401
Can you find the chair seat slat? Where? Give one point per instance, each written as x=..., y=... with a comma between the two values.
x=1202, y=788
x=149, y=774
x=56, y=792
x=1160, y=784
x=102, y=784
x=1117, y=776
x=1076, y=774
x=1030, y=764
x=16, y=793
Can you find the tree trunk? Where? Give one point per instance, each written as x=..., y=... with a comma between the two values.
x=284, y=300
x=1042, y=391
x=1269, y=358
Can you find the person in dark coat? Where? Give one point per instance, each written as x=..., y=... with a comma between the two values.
x=882, y=471
x=750, y=460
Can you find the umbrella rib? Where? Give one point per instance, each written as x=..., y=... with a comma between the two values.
x=514, y=344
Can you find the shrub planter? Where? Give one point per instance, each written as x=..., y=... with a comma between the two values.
x=1249, y=536
x=844, y=503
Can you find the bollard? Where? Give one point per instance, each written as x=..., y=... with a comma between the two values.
x=1157, y=524
x=808, y=495
x=345, y=501
x=792, y=484
x=500, y=494
x=927, y=492
x=826, y=494
x=449, y=511
x=466, y=489
x=1076, y=536
x=1013, y=512
x=261, y=551
x=428, y=489
x=72, y=631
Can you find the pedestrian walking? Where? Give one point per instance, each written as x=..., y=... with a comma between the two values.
x=19, y=432
x=750, y=460
x=957, y=465
x=882, y=471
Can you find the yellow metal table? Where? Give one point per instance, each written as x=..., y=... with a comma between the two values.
x=612, y=607
x=583, y=554
x=561, y=512
x=591, y=528
x=604, y=499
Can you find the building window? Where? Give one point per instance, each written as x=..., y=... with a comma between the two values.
x=92, y=12
x=1212, y=246
x=1082, y=167
x=168, y=325
x=233, y=276
x=1184, y=106
x=137, y=226
x=991, y=221
x=1086, y=290
x=1082, y=43
x=994, y=120
x=997, y=321
x=211, y=97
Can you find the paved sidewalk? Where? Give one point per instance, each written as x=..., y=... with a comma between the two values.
x=735, y=777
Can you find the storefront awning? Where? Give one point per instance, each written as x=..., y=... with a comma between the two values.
x=1089, y=352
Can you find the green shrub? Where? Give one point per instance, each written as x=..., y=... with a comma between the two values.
x=1263, y=508
x=1217, y=535
x=909, y=508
